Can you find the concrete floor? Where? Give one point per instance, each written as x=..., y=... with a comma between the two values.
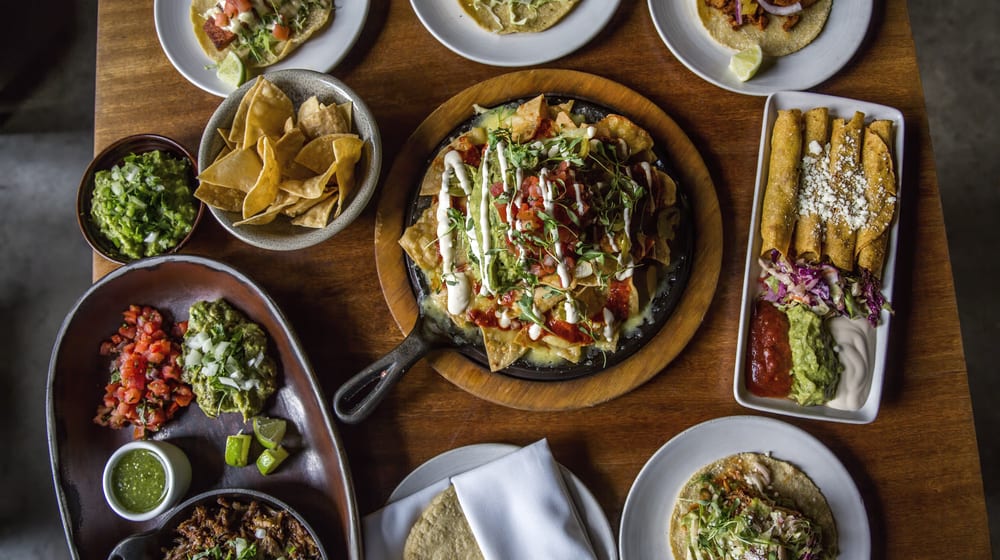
x=46, y=141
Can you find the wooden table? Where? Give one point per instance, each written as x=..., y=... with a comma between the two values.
x=917, y=465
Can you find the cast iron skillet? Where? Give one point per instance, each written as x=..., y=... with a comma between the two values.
x=359, y=395
x=148, y=545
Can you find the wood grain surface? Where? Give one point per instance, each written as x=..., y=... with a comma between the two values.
x=917, y=465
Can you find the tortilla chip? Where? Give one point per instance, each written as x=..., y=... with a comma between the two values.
x=288, y=146
x=527, y=118
x=348, y=152
x=281, y=202
x=238, y=128
x=238, y=170
x=217, y=196
x=265, y=189
x=266, y=113
x=501, y=346
x=304, y=204
x=617, y=126
x=418, y=240
x=317, y=154
x=317, y=119
x=317, y=216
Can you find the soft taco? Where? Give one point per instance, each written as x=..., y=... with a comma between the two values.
x=442, y=531
x=780, y=27
x=260, y=32
x=751, y=505
x=517, y=16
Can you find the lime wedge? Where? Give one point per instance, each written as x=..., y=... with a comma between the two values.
x=269, y=431
x=745, y=63
x=270, y=459
x=231, y=70
x=238, y=449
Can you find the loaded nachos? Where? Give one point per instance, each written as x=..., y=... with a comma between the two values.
x=547, y=233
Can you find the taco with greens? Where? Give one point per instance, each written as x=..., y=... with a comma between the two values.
x=750, y=505
x=259, y=32
x=517, y=16
x=780, y=27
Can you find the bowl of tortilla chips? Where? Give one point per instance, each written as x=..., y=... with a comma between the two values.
x=289, y=159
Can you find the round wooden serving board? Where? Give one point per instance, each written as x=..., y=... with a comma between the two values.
x=692, y=176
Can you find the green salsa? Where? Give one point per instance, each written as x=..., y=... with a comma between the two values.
x=144, y=205
x=139, y=480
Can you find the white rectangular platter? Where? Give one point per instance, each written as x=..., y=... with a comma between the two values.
x=875, y=341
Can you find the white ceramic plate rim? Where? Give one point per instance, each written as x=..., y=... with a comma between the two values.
x=322, y=52
x=842, y=107
x=650, y=501
x=462, y=459
x=453, y=28
x=681, y=30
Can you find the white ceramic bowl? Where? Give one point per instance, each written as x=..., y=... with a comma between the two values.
x=176, y=467
x=299, y=85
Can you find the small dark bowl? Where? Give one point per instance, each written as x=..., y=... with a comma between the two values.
x=148, y=545
x=108, y=158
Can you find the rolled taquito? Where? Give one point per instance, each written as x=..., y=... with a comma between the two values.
x=781, y=193
x=848, y=186
x=880, y=193
x=808, y=241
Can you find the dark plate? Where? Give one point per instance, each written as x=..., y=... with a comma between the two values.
x=148, y=545
x=672, y=277
x=358, y=397
x=315, y=480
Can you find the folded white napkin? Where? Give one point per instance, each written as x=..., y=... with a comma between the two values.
x=517, y=506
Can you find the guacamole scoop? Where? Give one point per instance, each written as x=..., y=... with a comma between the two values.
x=815, y=365
x=225, y=360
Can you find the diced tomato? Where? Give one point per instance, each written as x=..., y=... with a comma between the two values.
x=183, y=395
x=221, y=19
x=281, y=32
x=150, y=389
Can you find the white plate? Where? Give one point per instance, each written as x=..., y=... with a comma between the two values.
x=453, y=28
x=321, y=52
x=878, y=349
x=462, y=459
x=681, y=29
x=650, y=502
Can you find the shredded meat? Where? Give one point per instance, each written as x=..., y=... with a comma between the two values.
x=219, y=526
x=220, y=37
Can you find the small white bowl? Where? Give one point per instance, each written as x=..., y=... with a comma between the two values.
x=177, y=470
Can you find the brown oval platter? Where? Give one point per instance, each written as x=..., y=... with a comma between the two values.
x=315, y=479
x=682, y=158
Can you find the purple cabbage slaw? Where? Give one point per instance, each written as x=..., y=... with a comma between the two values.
x=822, y=288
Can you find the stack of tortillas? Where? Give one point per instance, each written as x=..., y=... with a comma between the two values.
x=516, y=506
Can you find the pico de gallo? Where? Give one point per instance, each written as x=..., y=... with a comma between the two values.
x=145, y=388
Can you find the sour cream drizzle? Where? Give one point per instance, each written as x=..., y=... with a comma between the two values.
x=609, y=324
x=457, y=284
x=547, y=198
x=485, y=252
